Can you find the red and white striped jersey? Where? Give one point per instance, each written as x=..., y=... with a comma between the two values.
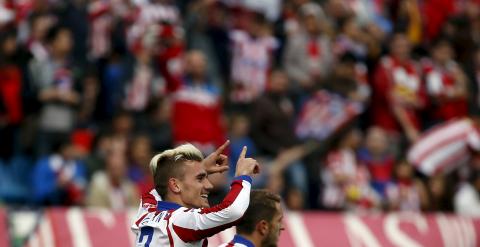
x=238, y=241
x=445, y=147
x=174, y=225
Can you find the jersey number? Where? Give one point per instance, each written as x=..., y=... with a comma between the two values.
x=148, y=232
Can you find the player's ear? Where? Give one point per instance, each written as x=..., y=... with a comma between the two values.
x=173, y=185
x=263, y=228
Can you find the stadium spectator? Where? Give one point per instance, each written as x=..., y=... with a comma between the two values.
x=261, y=224
x=272, y=119
x=351, y=39
x=405, y=192
x=398, y=93
x=59, y=178
x=197, y=99
x=54, y=79
x=377, y=156
x=440, y=193
x=308, y=55
x=139, y=153
x=11, y=85
x=252, y=54
x=185, y=215
x=467, y=199
x=112, y=188
x=446, y=84
x=346, y=182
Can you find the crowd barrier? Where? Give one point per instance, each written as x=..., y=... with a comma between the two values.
x=89, y=228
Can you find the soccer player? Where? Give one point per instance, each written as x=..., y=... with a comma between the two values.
x=184, y=218
x=261, y=224
x=216, y=162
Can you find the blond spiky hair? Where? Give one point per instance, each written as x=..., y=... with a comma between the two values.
x=186, y=151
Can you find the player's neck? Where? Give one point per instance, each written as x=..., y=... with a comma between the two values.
x=175, y=199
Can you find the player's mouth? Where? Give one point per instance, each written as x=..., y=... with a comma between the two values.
x=205, y=196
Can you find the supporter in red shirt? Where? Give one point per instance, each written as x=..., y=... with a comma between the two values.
x=446, y=84
x=397, y=91
x=11, y=113
x=377, y=157
x=196, y=106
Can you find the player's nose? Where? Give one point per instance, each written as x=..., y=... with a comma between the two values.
x=208, y=185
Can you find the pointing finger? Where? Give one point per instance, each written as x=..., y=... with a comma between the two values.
x=222, y=148
x=243, y=153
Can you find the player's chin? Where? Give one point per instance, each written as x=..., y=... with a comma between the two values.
x=205, y=203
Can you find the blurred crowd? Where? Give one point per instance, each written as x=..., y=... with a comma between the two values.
x=360, y=105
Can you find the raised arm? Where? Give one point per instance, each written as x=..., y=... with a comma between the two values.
x=196, y=224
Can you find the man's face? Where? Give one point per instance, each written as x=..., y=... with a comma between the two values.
x=275, y=228
x=194, y=187
x=400, y=47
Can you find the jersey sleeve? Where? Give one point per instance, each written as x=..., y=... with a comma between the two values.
x=196, y=224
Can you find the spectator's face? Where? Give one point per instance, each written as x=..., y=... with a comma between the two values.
x=40, y=27
x=437, y=186
x=311, y=24
x=400, y=47
x=123, y=124
x=376, y=141
x=404, y=171
x=116, y=166
x=196, y=64
x=442, y=53
x=351, y=29
x=69, y=152
x=141, y=150
x=353, y=138
x=63, y=42
x=9, y=46
x=276, y=226
x=345, y=69
x=278, y=82
x=240, y=126
x=195, y=186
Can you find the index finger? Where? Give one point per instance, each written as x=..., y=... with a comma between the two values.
x=221, y=148
x=243, y=153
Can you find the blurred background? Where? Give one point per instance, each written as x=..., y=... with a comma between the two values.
x=359, y=106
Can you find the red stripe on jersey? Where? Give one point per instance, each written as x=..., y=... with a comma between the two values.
x=228, y=200
x=231, y=244
x=140, y=220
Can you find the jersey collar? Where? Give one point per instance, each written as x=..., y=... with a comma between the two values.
x=163, y=205
x=241, y=240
